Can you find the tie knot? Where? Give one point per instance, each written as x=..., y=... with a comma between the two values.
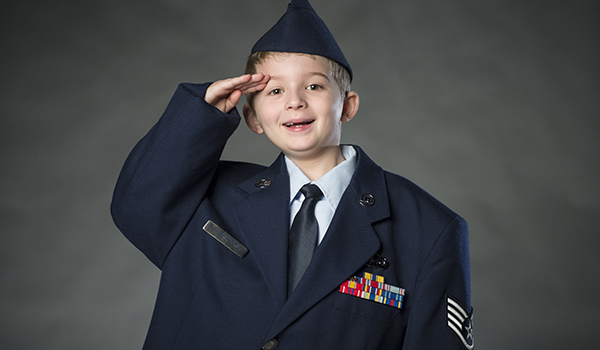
x=311, y=191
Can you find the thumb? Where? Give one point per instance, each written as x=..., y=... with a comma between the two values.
x=232, y=100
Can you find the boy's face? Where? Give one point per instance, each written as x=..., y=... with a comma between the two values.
x=301, y=109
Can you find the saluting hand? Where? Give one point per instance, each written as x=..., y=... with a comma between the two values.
x=225, y=94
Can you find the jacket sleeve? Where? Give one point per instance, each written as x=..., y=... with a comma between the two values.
x=166, y=176
x=441, y=314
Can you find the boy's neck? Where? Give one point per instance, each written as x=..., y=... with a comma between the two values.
x=314, y=167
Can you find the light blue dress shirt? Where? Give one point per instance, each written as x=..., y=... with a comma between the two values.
x=333, y=184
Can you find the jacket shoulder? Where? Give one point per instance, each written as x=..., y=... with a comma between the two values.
x=407, y=195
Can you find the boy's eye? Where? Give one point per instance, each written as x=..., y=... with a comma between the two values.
x=314, y=87
x=275, y=92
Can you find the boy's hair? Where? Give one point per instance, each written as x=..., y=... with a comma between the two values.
x=340, y=74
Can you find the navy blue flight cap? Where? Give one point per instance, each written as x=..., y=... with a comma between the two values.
x=301, y=30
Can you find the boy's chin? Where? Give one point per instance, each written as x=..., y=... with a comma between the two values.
x=308, y=153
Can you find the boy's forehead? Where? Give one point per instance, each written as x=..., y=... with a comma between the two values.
x=282, y=56
x=286, y=62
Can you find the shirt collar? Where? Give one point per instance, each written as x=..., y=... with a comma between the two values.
x=333, y=184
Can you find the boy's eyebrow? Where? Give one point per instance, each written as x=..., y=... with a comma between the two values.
x=310, y=74
x=321, y=74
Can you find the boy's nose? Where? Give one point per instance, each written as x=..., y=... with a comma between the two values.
x=295, y=100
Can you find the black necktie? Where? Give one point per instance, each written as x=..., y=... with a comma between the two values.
x=303, y=236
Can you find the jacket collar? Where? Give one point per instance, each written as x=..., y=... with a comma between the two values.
x=264, y=220
x=349, y=243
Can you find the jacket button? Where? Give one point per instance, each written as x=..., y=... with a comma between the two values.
x=382, y=263
x=270, y=345
x=262, y=183
x=367, y=199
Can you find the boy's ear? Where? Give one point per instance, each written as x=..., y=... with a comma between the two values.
x=252, y=119
x=350, y=106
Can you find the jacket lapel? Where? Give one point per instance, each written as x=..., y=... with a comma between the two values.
x=349, y=243
x=264, y=220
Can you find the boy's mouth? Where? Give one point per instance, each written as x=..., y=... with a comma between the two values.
x=299, y=124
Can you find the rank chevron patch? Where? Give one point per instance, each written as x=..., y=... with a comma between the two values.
x=460, y=322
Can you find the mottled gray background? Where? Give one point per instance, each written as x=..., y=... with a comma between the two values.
x=492, y=106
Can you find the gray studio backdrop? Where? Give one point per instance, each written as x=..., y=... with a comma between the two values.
x=492, y=106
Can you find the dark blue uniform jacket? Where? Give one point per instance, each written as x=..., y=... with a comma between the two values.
x=210, y=298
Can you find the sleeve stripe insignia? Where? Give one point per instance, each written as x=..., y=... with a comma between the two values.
x=460, y=322
x=373, y=287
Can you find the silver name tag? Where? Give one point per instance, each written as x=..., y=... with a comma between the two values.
x=225, y=238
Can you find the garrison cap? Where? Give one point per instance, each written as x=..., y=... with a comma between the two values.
x=301, y=30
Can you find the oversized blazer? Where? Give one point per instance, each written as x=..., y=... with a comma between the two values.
x=173, y=183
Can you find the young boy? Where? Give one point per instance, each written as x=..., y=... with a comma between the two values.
x=251, y=258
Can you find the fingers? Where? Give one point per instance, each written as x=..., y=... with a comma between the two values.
x=225, y=94
x=252, y=83
x=245, y=83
